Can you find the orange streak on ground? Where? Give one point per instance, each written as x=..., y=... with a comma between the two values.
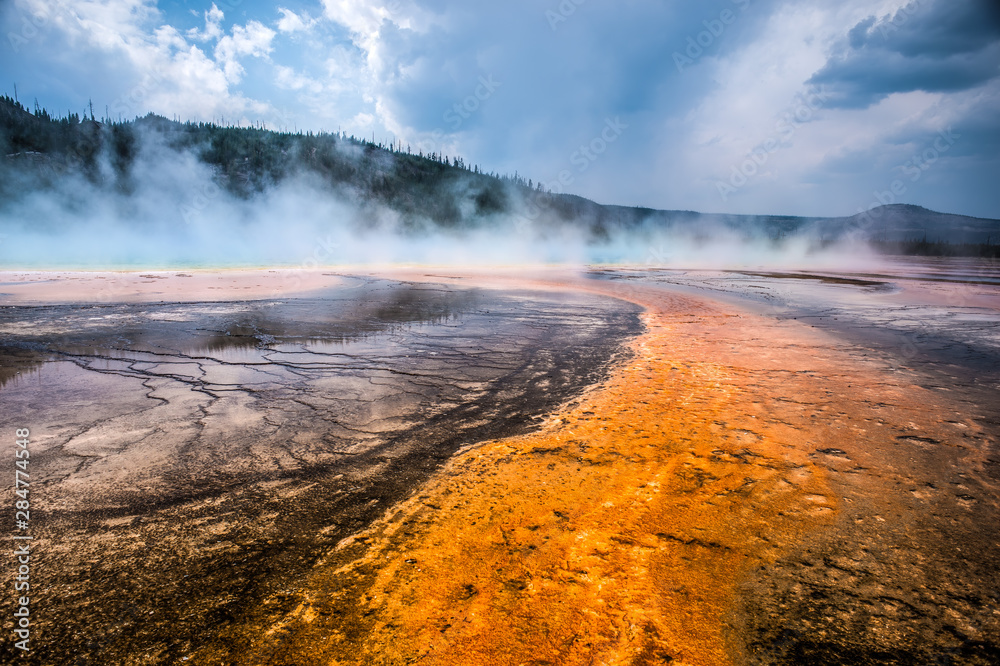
x=621, y=531
x=615, y=535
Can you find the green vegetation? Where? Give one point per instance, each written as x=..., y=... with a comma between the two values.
x=926, y=248
x=248, y=160
x=42, y=149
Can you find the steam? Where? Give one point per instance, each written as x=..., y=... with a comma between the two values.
x=170, y=211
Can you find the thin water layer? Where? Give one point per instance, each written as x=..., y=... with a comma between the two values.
x=911, y=447
x=770, y=475
x=189, y=461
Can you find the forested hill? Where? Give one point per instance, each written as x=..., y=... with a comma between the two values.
x=40, y=150
x=249, y=160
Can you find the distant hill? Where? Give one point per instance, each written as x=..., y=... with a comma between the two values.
x=905, y=222
x=422, y=190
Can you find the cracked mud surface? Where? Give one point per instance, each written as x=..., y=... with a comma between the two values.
x=191, y=460
x=782, y=468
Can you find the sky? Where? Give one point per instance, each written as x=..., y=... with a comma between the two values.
x=732, y=106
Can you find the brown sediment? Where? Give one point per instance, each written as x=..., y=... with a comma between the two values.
x=617, y=534
x=191, y=461
x=742, y=489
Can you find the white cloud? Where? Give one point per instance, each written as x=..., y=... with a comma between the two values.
x=362, y=120
x=213, y=26
x=395, y=66
x=761, y=98
x=170, y=74
x=103, y=23
x=361, y=17
x=289, y=79
x=369, y=22
x=253, y=39
x=290, y=22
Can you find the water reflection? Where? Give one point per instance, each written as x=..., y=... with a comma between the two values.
x=232, y=332
x=18, y=364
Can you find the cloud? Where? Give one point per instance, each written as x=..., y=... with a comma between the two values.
x=253, y=39
x=290, y=22
x=289, y=79
x=213, y=27
x=128, y=53
x=399, y=68
x=362, y=17
x=928, y=45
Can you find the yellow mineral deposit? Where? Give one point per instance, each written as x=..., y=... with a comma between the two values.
x=731, y=475
x=614, y=535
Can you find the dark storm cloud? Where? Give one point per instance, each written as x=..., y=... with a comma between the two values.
x=934, y=46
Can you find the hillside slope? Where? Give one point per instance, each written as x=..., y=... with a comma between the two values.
x=421, y=191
